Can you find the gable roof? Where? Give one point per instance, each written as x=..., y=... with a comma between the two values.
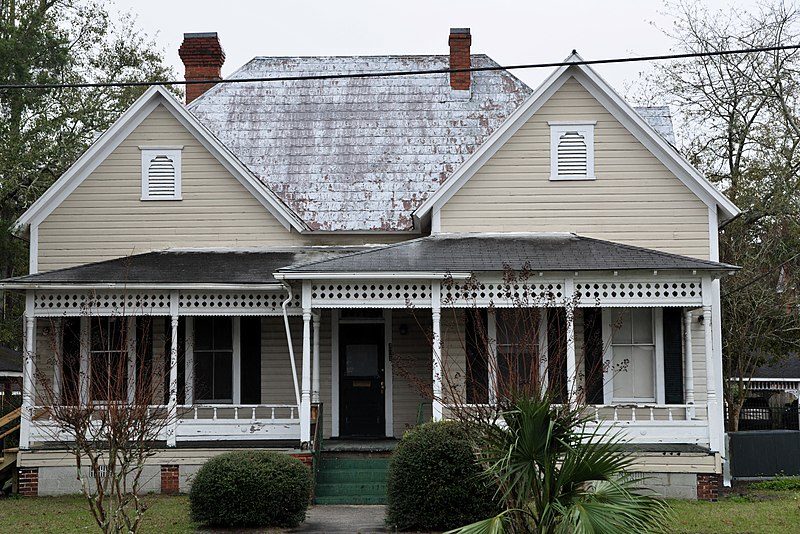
x=477, y=252
x=608, y=98
x=112, y=138
x=357, y=154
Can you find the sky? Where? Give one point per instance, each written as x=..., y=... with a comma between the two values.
x=510, y=32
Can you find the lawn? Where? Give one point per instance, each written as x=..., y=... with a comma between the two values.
x=748, y=510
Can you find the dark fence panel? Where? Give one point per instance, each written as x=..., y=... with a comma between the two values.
x=768, y=418
x=765, y=453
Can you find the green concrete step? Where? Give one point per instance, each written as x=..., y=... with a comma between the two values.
x=351, y=480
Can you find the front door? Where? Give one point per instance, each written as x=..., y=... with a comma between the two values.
x=361, y=380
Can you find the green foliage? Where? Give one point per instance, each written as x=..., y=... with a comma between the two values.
x=434, y=480
x=778, y=484
x=251, y=488
x=45, y=130
x=556, y=477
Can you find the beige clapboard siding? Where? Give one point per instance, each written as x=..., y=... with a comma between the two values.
x=634, y=200
x=104, y=217
x=411, y=368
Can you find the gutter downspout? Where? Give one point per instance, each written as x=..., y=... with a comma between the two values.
x=284, y=304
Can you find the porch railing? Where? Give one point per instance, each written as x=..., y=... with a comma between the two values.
x=201, y=422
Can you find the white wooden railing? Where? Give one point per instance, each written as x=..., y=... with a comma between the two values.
x=200, y=422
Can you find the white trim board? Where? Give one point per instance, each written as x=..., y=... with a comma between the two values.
x=615, y=105
x=120, y=130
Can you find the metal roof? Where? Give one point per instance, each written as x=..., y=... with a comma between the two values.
x=493, y=252
x=356, y=154
x=660, y=119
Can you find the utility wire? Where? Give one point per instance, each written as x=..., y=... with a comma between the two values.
x=401, y=73
x=761, y=276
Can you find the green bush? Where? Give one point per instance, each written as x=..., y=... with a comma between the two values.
x=779, y=483
x=434, y=481
x=251, y=488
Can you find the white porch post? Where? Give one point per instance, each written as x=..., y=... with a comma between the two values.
x=85, y=377
x=172, y=411
x=305, y=382
x=572, y=364
x=688, y=371
x=436, y=314
x=714, y=420
x=315, y=366
x=28, y=374
x=131, y=349
x=58, y=360
x=188, y=361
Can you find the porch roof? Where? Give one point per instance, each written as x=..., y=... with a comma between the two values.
x=177, y=267
x=486, y=252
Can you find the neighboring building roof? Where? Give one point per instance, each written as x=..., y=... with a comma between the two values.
x=10, y=362
x=182, y=267
x=356, y=154
x=493, y=252
x=788, y=368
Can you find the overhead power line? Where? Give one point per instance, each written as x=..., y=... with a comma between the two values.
x=607, y=61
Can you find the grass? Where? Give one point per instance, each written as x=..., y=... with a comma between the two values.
x=168, y=515
x=748, y=510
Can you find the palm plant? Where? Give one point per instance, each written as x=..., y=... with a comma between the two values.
x=556, y=476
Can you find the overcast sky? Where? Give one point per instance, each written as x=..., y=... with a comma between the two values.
x=531, y=31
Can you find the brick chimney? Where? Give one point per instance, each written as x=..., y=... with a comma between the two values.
x=203, y=56
x=460, y=40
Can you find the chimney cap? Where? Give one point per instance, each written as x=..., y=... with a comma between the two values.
x=459, y=30
x=198, y=35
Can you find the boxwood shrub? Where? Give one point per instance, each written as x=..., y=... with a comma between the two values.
x=434, y=481
x=251, y=489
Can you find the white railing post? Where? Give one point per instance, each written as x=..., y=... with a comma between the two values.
x=436, y=316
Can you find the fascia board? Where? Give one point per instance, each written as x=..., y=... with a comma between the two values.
x=101, y=286
x=371, y=275
x=88, y=162
x=645, y=134
x=493, y=143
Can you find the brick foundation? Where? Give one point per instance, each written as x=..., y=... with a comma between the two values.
x=306, y=457
x=708, y=487
x=28, y=481
x=170, y=480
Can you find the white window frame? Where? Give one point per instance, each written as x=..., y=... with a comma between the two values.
x=148, y=154
x=584, y=128
x=609, y=317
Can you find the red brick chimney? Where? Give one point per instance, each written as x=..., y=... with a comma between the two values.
x=460, y=40
x=203, y=56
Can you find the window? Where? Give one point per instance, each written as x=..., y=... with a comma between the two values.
x=572, y=150
x=161, y=173
x=635, y=355
x=108, y=359
x=518, y=347
x=213, y=359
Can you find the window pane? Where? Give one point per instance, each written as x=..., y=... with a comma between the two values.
x=203, y=375
x=623, y=373
x=223, y=376
x=203, y=333
x=643, y=372
x=642, y=326
x=361, y=360
x=223, y=333
x=621, y=323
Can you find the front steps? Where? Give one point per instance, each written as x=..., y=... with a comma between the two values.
x=352, y=479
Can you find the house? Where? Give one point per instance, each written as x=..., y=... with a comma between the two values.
x=291, y=243
x=10, y=372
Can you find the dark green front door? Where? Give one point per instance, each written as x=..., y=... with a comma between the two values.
x=361, y=380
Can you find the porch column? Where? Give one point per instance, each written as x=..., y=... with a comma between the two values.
x=28, y=374
x=688, y=371
x=58, y=360
x=714, y=422
x=172, y=409
x=305, y=381
x=572, y=364
x=315, y=366
x=436, y=314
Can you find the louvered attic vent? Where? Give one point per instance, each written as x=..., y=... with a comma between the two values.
x=572, y=151
x=161, y=174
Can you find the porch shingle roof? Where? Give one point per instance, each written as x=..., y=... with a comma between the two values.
x=493, y=252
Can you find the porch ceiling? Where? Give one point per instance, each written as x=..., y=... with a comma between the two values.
x=482, y=252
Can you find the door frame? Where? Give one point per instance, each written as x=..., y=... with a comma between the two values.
x=388, y=389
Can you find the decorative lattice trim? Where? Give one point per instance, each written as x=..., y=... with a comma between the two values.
x=373, y=295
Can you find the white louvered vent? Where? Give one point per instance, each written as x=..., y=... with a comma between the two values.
x=572, y=155
x=572, y=151
x=161, y=174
